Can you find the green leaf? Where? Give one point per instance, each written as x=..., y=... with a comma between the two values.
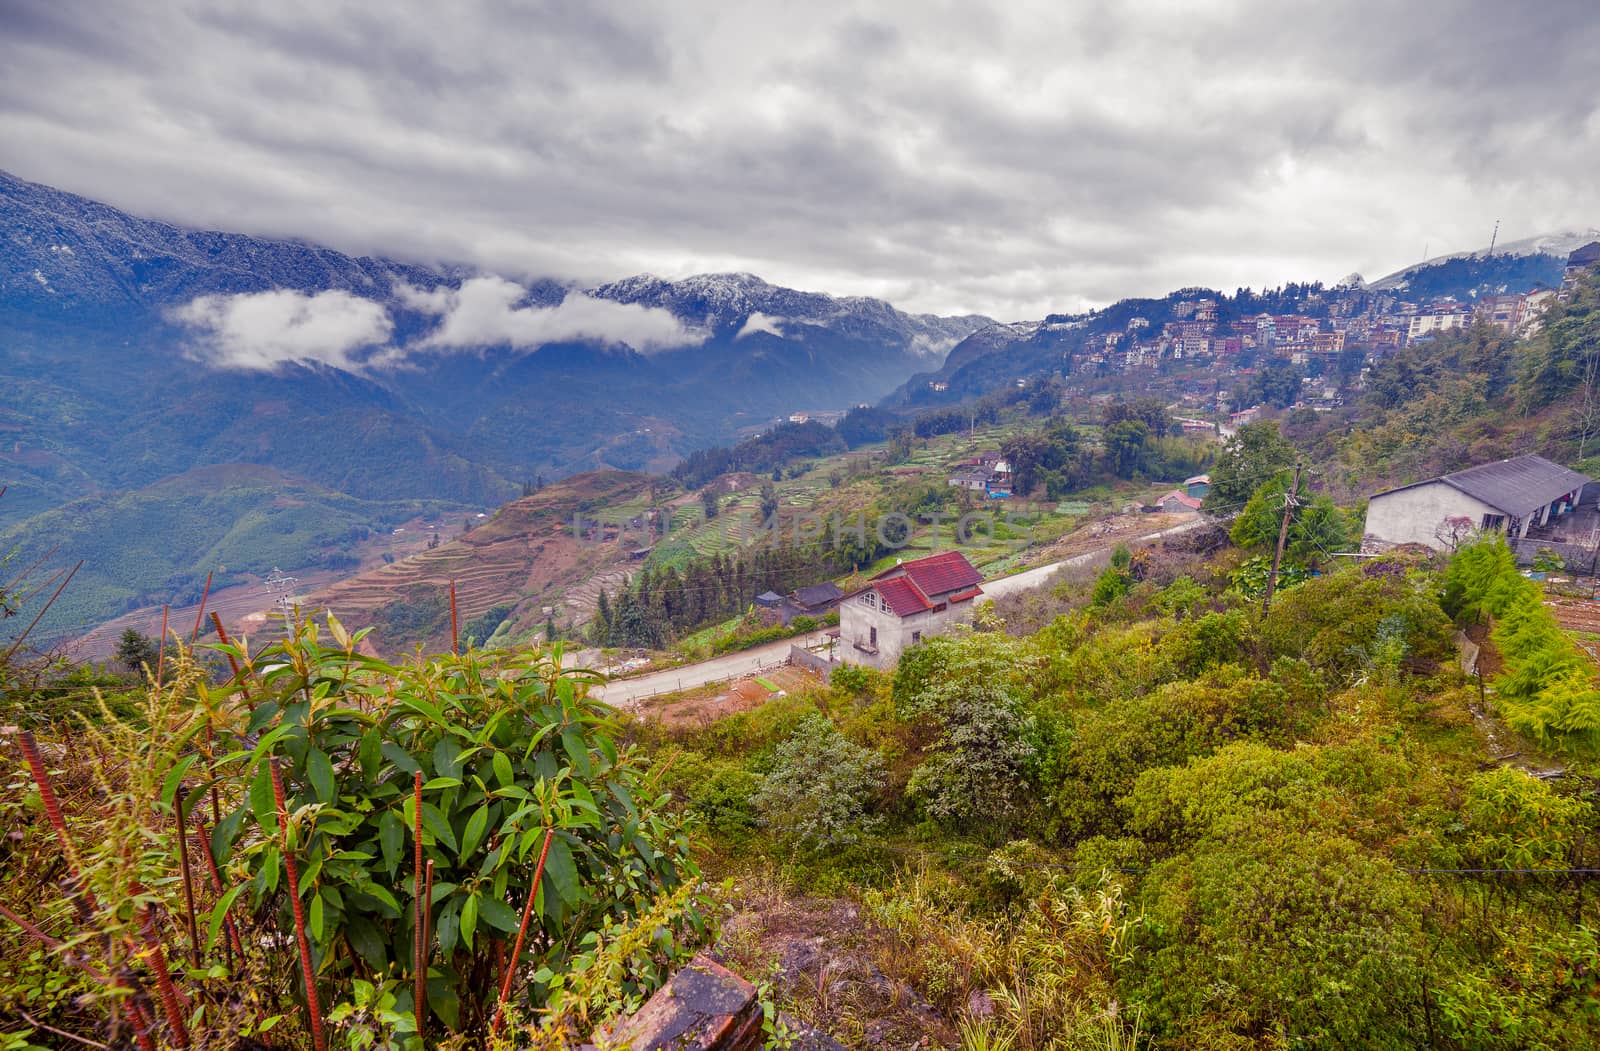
x=366, y=941
x=477, y=824
x=448, y=928
x=219, y=914
x=227, y=831
x=437, y=783
x=262, y=802
x=561, y=872
x=313, y=866
x=502, y=769
x=371, y=752
x=400, y=758
x=424, y=709
x=391, y=838
x=262, y=716
x=316, y=917
x=169, y=789
x=624, y=797
x=381, y=895
x=319, y=770
x=447, y=758
x=469, y=920
x=498, y=914
x=271, y=867
x=435, y=822
x=577, y=750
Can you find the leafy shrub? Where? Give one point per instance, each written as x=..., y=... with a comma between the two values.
x=1110, y=585
x=1516, y=821
x=1181, y=597
x=1282, y=938
x=819, y=787
x=1538, y=996
x=948, y=660
x=975, y=775
x=506, y=751
x=1339, y=621
x=1548, y=689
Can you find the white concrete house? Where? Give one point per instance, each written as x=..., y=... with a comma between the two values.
x=904, y=605
x=1511, y=496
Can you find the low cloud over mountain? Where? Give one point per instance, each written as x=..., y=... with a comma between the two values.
x=492, y=311
x=263, y=330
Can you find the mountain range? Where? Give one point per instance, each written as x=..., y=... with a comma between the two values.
x=133, y=351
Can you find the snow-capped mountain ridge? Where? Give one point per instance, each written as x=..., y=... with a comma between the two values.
x=1559, y=243
x=726, y=301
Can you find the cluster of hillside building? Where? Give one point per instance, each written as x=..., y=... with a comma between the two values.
x=1353, y=317
x=1388, y=324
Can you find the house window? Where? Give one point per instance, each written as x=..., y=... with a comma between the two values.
x=872, y=637
x=916, y=637
x=869, y=599
x=941, y=607
x=1493, y=521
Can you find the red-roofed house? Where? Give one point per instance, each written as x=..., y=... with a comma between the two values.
x=904, y=605
x=1178, y=502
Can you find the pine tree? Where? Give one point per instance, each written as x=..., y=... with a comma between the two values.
x=135, y=651
x=600, y=630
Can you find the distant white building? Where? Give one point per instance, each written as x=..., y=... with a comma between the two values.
x=1441, y=317
x=1509, y=496
x=904, y=605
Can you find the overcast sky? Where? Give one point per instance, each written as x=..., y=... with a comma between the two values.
x=1007, y=158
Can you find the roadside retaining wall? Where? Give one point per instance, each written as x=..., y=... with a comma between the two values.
x=806, y=659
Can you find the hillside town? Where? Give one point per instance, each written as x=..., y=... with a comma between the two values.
x=1346, y=316
x=1223, y=359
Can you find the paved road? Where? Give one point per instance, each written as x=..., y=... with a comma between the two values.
x=1038, y=577
x=626, y=692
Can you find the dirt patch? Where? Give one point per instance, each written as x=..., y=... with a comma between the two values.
x=822, y=956
x=1575, y=614
x=705, y=705
x=1106, y=533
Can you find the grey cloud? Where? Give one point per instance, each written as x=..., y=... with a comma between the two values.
x=490, y=311
x=1006, y=159
x=262, y=331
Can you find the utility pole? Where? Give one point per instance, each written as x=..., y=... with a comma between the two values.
x=282, y=586
x=1283, y=536
x=1494, y=237
x=1594, y=566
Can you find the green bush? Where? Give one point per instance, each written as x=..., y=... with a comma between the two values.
x=1548, y=689
x=506, y=749
x=820, y=786
x=1281, y=938
x=975, y=776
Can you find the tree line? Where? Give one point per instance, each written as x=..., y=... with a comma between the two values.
x=661, y=604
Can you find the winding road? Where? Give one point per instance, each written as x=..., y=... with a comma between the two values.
x=625, y=693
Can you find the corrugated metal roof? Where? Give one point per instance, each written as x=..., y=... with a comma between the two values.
x=937, y=574
x=902, y=596
x=1517, y=486
x=818, y=594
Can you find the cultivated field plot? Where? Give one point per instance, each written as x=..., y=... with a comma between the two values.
x=1578, y=615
